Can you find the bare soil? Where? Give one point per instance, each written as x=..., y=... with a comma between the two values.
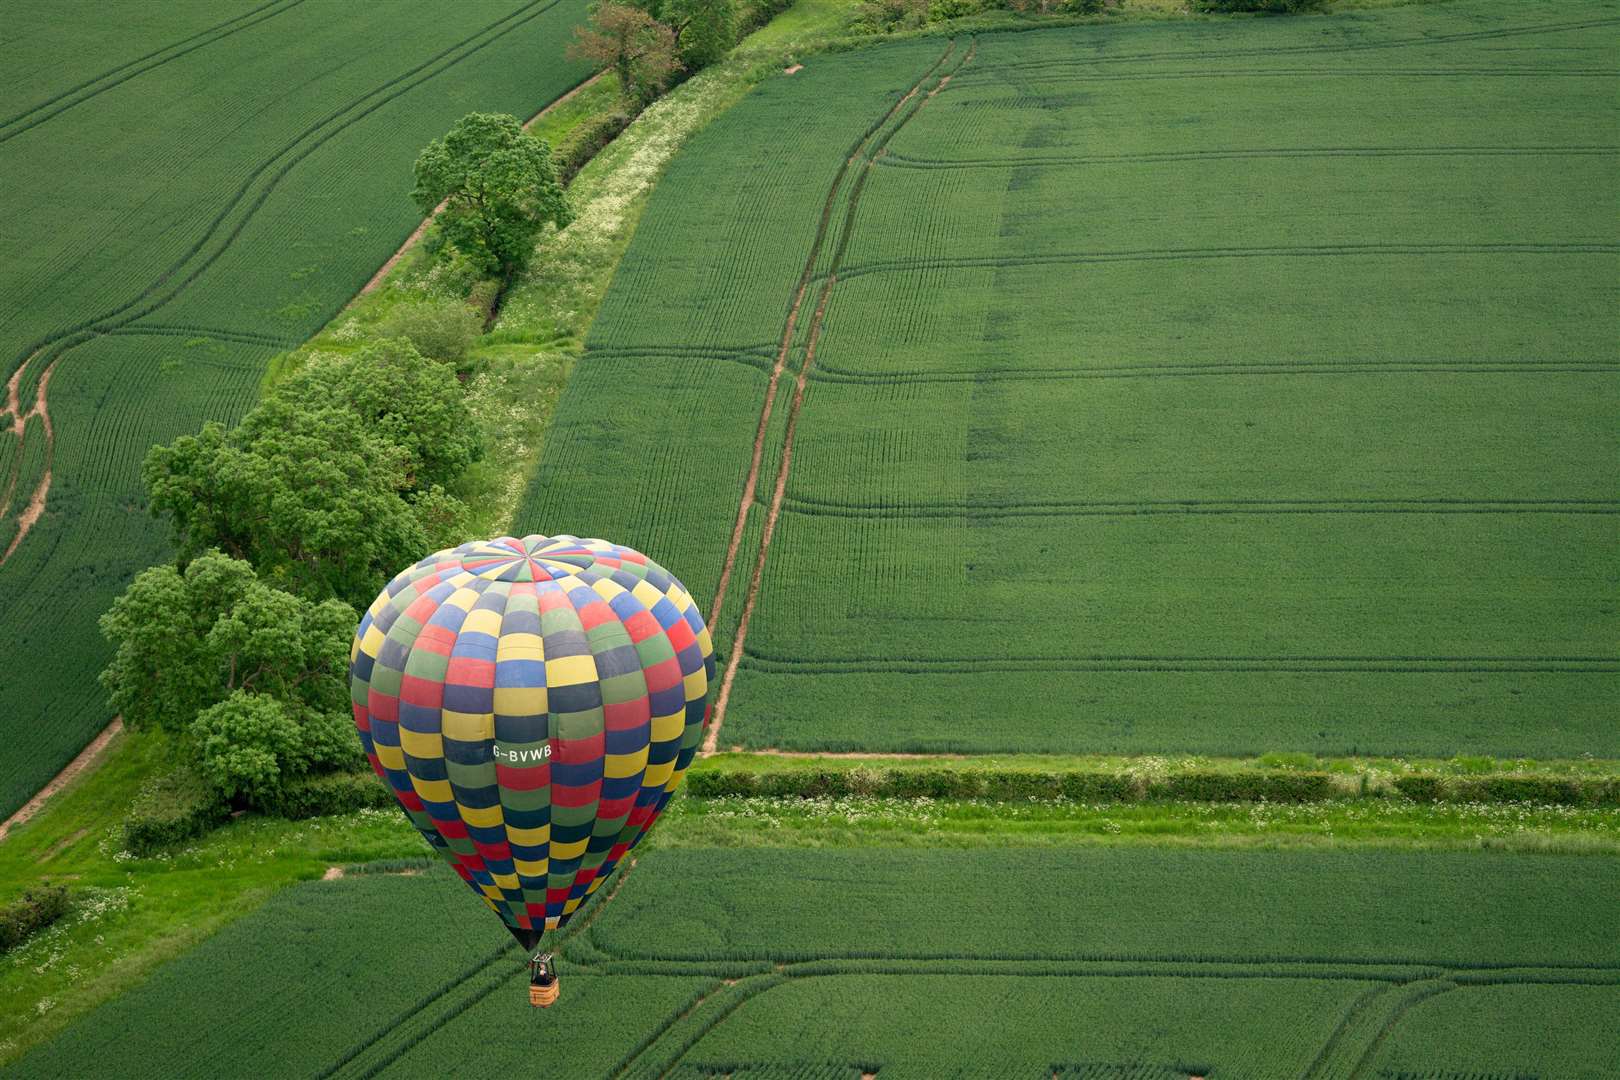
x=86, y=758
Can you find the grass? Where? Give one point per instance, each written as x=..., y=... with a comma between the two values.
x=134, y=914
x=1241, y=964
x=176, y=240
x=1343, y=487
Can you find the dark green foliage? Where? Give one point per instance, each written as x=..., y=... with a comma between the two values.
x=1211, y=786
x=311, y=497
x=1270, y=7
x=331, y=793
x=409, y=399
x=1546, y=790
x=37, y=908
x=173, y=806
x=705, y=30
x=440, y=329
x=335, y=481
x=500, y=189
x=252, y=676
x=585, y=141
x=1014, y=784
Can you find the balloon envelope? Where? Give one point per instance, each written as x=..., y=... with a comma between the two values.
x=533, y=703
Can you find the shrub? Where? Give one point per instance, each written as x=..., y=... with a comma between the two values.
x=250, y=744
x=882, y=16
x=1272, y=7
x=440, y=329
x=952, y=9
x=1420, y=787
x=332, y=793
x=30, y=913
x=1211, y=786
x=587, y=140
x=172, y=807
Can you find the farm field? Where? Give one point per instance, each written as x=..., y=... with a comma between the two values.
x=1215, y=387
x=915, y=964
x=184, y=225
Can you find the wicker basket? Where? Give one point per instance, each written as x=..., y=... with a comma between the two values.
x=542, y=995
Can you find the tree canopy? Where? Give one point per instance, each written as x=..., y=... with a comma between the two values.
x=499, y=188
x=334, y=482
x=255, y=676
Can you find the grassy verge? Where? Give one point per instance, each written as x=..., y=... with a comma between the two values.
x=875, y=822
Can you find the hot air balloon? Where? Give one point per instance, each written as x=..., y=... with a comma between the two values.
x=532, y=703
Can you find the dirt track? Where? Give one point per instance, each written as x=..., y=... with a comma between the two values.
x=86, y=758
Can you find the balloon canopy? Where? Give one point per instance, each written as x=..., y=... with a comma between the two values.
x=533, y=704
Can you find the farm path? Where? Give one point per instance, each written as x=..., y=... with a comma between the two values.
x=87, y=757
x=867, y=149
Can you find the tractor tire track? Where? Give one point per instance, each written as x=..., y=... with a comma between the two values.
x=1314, y=50
x=1155, y=158
x=281, y=6
x=1304, y=251
x=876, y=149
x=54, y=347
x=785, y=345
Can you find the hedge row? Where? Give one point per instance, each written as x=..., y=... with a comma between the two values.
x=175, y=806
x=331, y=793
x=1010, y=784
x=31, y=912
x=1559, y=790
x=1194, y=786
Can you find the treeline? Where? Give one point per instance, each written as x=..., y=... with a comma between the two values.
x=286, y=527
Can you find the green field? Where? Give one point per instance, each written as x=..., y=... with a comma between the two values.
x=914, y=964
x=1214, y=387
x=205, y=185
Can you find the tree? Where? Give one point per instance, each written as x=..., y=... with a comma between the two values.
x=255, y=679
x=705, y=30
x=411, y=401
x=639, y=49
x=499, y=187
x=311, y=497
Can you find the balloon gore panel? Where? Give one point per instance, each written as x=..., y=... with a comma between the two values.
x=533, y=703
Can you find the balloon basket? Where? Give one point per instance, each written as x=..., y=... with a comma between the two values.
x=542, y=981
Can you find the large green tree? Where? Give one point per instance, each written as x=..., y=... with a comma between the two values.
x=499, y=188
x=253, y=678
x=415, y=403
x=705, y=30
x=333, y=483
x=311, y=497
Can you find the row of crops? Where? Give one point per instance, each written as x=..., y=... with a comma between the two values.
x=914, y=963
x=1218, y=387
x=207, y=185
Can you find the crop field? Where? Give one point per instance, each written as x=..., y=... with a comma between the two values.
x=1214, y=387
x=183, y=225
x=915, y=964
